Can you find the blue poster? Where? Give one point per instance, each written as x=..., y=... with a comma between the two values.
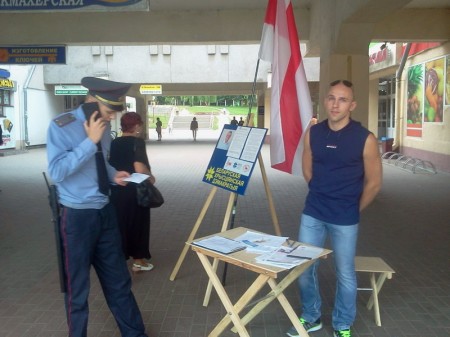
x=32, y=54
x=234, y=157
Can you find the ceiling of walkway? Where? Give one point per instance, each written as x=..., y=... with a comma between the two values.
x=226, y=21
x=250, y=4
x=326, y=26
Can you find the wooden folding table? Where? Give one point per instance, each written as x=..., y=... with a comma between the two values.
x=266, y=275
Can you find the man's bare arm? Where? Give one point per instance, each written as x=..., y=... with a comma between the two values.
x=307, y=158
x=373, y=173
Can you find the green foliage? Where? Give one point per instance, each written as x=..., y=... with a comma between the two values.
x=205, y=100
x=236, y=105
x=233, y=110
x=415, y=76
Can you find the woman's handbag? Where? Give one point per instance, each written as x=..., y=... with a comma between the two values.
x=148, y=195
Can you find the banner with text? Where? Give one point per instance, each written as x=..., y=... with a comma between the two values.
x=234, y=157
x=73, y=5
x=32, y=55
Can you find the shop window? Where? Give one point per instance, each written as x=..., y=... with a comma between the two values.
x=5, y=100
x=72, y=102
x=386, y=105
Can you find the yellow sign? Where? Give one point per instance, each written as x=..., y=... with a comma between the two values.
x=6, y=83
x=150, y=89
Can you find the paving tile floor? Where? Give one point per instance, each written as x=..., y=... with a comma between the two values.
x=407, y=225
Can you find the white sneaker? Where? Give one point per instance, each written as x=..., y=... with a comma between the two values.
x=140, y=267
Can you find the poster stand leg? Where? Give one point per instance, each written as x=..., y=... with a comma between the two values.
x=276, y=225
x=193, y=232
x=231, y=200
x=233, y=215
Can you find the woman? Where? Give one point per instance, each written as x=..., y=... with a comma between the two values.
x=128, y=153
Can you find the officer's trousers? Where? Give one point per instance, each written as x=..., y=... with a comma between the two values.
x=92, y=237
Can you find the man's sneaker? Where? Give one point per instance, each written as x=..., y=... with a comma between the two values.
x=309, y=327
x=342, y=333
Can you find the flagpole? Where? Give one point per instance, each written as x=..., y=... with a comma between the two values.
x=266, y=184
x=250, y=105
x=273, y=213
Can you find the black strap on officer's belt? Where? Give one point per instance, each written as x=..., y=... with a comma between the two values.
x=56, y=217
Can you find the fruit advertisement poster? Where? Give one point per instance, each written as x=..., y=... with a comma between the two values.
x=428, y=92
x=447, y=85
x=434, y=91
x=414, y=110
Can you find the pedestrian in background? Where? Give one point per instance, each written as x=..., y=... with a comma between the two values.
x=194, y=128
x=159, y=128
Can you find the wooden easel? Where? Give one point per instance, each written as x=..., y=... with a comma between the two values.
x=226, y=220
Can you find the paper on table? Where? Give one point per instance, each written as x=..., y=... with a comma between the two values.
x=260, y=242
x=280, y=258
x=137, y=178
x=306, y=252
x=220, y=244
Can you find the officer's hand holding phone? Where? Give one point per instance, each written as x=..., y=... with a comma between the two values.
x=94, y=124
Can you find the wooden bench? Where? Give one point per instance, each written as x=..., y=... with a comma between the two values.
x=374, y=265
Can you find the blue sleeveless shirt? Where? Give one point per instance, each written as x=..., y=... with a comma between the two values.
x=337, y=173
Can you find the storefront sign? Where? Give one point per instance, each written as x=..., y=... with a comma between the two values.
x=6, y=84
x=74, y=90
x=61, y=5
x=378, y=56
x=150, y=89
x=32, y=54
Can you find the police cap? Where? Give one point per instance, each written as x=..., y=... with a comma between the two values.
x=109, y=93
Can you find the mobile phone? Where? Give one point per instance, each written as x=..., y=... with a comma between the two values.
x=89, y=109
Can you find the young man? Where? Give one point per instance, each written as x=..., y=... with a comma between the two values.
x=77, y=145
x=342, y=166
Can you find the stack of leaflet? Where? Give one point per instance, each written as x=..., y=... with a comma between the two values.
x=273, y=250
x=220, y=244
x=260, y=242
x=289, y=257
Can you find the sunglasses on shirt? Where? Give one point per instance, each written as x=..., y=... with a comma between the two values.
x=348, y=84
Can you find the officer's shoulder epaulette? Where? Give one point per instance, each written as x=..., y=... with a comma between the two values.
x=65, y=119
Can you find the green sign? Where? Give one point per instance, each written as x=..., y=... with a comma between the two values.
x=74, y=90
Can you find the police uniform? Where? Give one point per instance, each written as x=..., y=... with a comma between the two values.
x=88, y=223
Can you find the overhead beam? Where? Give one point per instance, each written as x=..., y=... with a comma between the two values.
x=170, y=27
x=414, y=25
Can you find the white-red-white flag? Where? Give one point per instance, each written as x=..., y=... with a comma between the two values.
x=291, y=108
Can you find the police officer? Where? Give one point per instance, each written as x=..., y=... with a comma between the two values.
x=88, y=224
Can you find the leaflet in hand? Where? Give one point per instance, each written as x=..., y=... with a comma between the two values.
x=137, y=178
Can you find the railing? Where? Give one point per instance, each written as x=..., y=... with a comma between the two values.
x=408, y=163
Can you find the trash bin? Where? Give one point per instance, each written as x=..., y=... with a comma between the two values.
x=386, y=144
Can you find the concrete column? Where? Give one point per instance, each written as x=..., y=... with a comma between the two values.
x=141, y=108
x=373, y=106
